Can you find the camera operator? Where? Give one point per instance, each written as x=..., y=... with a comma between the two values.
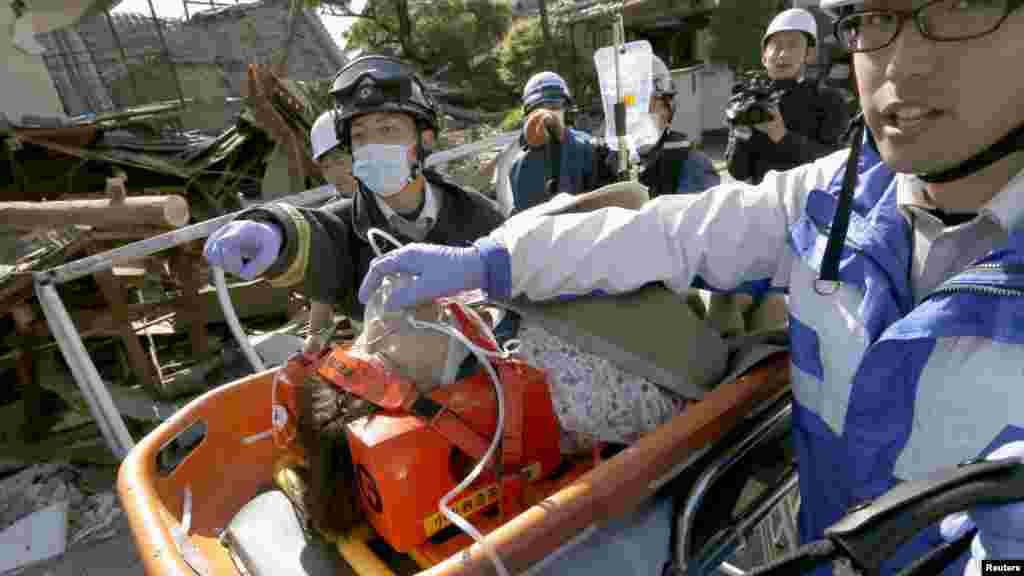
x=783, y=121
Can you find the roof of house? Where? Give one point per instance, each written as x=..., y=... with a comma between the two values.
x=88, y=57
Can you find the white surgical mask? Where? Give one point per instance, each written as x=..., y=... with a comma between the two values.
x=383, y=168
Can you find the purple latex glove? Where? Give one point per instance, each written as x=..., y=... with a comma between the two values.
x=436, y=271
x=1000, y=528
x=244, y=248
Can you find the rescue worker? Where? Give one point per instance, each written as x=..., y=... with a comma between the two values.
x=901, y=256
x=573, y=164
x=671, y=165
x=388, y=121
x=808, y=121
x=330, y=156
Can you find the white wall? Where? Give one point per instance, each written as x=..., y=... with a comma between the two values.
x=701, y=95
x=689, y=95
x=717, y=83
x=25, y=85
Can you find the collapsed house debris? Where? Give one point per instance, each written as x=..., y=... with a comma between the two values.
x=51, y=507
x=74, y=188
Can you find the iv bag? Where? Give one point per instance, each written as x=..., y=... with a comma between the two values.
x=635, y=66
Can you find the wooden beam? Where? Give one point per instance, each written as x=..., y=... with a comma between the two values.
x=133, y=212
x=33, y=427
x=185, y=267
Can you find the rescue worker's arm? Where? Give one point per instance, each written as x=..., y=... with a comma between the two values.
x=317, y=248
x=729, y=235
x=739, y=155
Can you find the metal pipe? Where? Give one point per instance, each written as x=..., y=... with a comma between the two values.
x=135, y=250
x=101, y=404
x=497, y=141
x=720, y=466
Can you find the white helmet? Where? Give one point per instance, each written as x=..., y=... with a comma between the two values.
x=796, y=19
x=834, y=7
x=324, y=134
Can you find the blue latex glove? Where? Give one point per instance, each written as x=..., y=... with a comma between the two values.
x=436, y=271
x=1000, y=528
x=244, y=248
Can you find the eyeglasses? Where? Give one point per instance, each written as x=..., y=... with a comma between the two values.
x=938, y=21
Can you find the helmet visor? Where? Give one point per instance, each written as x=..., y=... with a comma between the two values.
x=373, y=80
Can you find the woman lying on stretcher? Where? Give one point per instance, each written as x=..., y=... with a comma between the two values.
x=592, y=400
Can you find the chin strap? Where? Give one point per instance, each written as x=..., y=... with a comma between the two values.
x=1012, y=142
x=828, y=278
x=421, y=153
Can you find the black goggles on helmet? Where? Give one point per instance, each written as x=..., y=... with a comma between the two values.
x=375, y=80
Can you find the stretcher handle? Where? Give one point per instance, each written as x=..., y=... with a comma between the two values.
x=873, y=532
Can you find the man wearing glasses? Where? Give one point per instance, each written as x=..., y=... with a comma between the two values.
x=387, y=121
x=902, y=257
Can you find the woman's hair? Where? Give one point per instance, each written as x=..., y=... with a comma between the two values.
x=332, y=498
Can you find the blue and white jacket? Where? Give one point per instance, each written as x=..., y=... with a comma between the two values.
x=586, y=163
x=885, y=390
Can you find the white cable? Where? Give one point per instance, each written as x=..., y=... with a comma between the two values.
x=232, y=319
x=483, y=356
x=378, y=232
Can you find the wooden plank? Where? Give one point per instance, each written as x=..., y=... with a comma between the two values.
x=34, y=426
x=251, y=299
x=186, y=269
x=137, y=358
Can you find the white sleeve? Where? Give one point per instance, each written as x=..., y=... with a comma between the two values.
x=730, y=234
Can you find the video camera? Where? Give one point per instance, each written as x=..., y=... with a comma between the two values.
x=752, y=100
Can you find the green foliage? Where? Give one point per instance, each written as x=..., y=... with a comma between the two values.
x=455, y=39
x=477, y=48
x=735, y=31
x=512, y=120
x=523, y=55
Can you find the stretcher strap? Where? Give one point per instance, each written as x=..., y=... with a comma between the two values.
x=449, y=425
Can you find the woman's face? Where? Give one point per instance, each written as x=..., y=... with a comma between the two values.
x=662, y=112
x=415, y=354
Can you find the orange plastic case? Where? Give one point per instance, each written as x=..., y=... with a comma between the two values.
x=405, y=466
